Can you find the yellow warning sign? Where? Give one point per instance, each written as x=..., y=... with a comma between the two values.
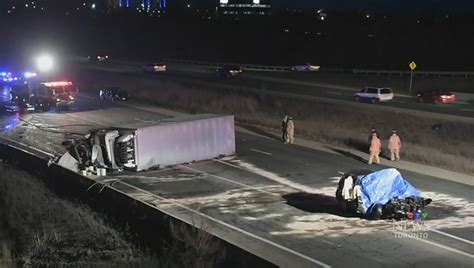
x=412, y=65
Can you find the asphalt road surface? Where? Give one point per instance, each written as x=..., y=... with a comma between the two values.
x=274, y=200
x=276, y=82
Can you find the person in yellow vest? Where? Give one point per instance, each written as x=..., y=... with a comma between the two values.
x=394, y=145
x=290, y=130
x=375, y=148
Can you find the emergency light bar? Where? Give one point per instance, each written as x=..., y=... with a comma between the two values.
x=58, y=84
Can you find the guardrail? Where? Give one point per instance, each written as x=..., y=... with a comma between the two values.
x=277, y=68
x=415, y=73
x=250, y=67
x=273, y=68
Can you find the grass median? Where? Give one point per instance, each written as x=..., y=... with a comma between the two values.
x=437, y=142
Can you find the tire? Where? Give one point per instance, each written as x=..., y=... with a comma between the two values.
x=374, y=100
x=357, y=98
x=436, y=101
x=376, y=213
x=420, y=100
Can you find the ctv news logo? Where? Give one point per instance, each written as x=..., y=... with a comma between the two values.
x=414, y=227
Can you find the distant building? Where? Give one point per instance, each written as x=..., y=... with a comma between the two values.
x=240, y=8
x=138, y=4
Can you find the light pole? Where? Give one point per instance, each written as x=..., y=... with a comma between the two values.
x=412, y=66
x=45, y=63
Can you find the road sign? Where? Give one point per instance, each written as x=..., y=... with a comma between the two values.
x=412, y=65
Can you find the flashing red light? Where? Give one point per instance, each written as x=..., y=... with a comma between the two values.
x=58, y=83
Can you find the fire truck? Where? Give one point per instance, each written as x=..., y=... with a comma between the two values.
x=43, y=96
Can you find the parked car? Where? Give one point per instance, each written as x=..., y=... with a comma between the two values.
x=374, y=94
x=154, y=68
x=10, y=108
x=437, y=96
x=113, y=94
x=228, y=71
x=305, y=68
x=98, y=58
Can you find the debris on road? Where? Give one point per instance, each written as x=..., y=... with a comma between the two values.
x=381, y=194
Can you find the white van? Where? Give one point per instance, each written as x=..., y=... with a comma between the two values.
x=374, y=94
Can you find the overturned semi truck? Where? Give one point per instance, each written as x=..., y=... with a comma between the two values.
x=143, y=145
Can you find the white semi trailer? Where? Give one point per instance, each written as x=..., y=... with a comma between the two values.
x=142, y=145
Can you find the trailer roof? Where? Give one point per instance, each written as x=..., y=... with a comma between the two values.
x=166, y=121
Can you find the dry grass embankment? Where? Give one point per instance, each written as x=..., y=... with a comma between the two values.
x=450, y=147
x=48, y=231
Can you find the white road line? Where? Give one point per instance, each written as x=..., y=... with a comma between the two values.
x=276, y=178
x=83, y=118
x=466, y=110
x=453, y=236
x=26, y=145
x=262, y=152
x=231, y=181
x=320, y=263
x=442, y=246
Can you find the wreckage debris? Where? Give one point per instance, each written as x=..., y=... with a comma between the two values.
x=383, y=194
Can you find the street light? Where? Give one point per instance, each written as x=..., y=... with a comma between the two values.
x=44, y=63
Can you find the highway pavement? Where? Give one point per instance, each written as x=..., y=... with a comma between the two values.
x=272, y=199
x=269, y=82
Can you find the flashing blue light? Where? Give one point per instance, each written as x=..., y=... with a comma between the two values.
x=3, y=74
x=5, y=79
x=128, y=3
x=149, y=4
x=9, y=79
x=120, y=3
x=15, y=79
x=29, y=74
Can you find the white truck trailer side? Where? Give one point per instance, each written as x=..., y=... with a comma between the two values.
x=142, y=145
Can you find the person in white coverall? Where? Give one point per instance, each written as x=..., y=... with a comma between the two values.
x=290, y=130
x=394, y=145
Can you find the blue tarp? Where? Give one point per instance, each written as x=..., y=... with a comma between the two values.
x=381, y=186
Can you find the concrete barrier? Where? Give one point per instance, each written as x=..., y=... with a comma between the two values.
x=151, y=225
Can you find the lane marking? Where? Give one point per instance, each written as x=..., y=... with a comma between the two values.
x=274, y=177
x=453, y=236
x=334, y=93
x=441, y=246
x=262, y=152
x=246, y=186
x=27, y=146
x=466, y=110
x=235, y=228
